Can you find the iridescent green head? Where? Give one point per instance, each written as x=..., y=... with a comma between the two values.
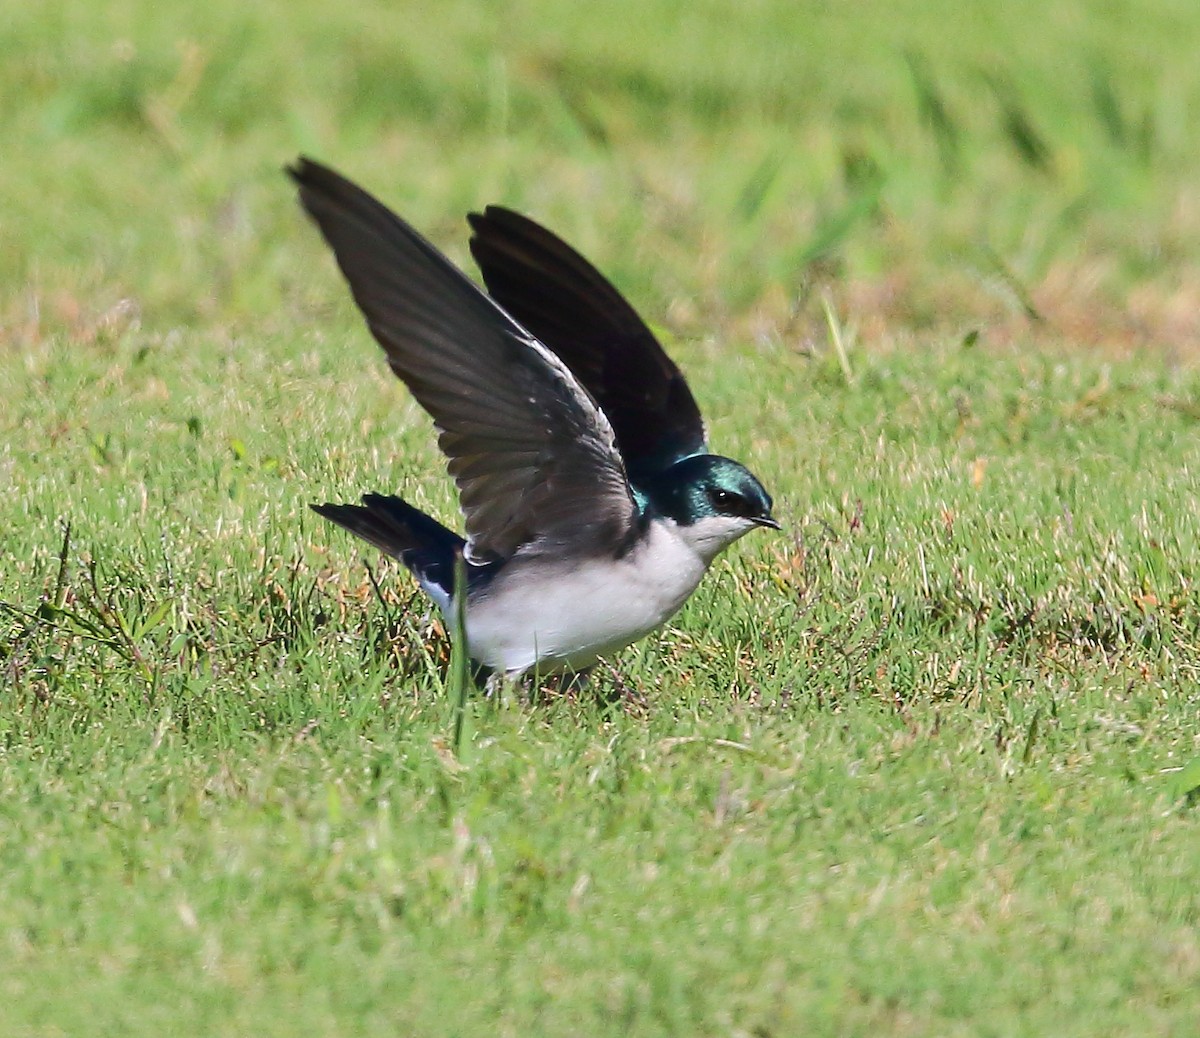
x=708, y=486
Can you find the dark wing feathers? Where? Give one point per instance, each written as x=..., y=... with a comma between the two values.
x=535, y=460
x=570, y=307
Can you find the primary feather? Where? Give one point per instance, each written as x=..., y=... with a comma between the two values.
x=534, y=457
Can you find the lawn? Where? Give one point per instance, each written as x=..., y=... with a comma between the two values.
x=925, y=762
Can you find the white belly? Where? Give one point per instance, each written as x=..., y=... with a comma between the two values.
x=560, y=615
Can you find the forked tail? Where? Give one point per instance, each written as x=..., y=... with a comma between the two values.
x=423, y=544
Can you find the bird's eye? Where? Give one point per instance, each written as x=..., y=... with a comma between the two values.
x=726, y=502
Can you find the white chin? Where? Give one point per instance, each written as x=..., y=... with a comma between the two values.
x=710, y=536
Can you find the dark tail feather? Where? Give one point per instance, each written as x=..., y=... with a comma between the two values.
x=423, y=544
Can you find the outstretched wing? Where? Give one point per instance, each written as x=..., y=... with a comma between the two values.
x=535, y=459
x=569, y=305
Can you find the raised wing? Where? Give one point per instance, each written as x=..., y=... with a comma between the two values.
x=569, y=305
x=534, y=458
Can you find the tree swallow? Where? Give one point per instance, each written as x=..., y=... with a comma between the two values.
x=592, y=507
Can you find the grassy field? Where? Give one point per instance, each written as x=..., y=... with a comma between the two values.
x=925, y=763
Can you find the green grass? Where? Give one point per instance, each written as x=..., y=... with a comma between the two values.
x=924, y=763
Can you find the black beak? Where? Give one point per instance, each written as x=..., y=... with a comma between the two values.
x=768, y=521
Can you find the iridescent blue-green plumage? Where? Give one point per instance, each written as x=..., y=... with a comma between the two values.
x=705, y=486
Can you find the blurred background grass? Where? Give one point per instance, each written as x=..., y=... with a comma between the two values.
x=939, y=165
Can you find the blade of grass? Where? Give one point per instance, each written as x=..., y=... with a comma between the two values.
x=460, y=677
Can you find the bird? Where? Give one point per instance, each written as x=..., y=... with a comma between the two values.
x=592, y=506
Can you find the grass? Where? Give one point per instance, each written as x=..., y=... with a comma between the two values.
x=925, y=763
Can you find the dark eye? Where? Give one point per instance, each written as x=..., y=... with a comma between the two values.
x=726, y=502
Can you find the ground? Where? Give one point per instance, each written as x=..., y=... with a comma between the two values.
x=925, y=762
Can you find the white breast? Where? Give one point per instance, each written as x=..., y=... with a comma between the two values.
x=557, y=614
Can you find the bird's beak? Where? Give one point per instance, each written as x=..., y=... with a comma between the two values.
x=768, y=521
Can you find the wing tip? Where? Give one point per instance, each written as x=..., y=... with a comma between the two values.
x=303, y=169
x=502, y=219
